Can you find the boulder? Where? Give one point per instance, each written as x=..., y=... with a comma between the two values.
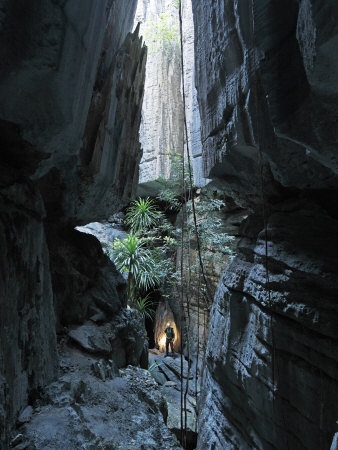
x=82, y=410
x=92, y=338
x=25, y=415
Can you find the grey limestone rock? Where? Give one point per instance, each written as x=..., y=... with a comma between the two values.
x=28, y=357
x=121, y=339
x=105, y=370
x=271, y=358
x=80, y=99
x=82, y=411
x=251, y=97
x=106, y=232
x=25, y=415
x=71, y=94
x=161, y=127
x=167, y=372
x=334, y=444
x=85, y=281
x=268, y=105
x=92, y=338
x=162, y=112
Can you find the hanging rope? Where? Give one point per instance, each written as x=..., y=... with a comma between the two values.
x=182, y=306
x=191, y=196
x=198, y=344
x=209, y=296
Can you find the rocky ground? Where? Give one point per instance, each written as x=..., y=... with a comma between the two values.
x=94, y=405
x=167, y=372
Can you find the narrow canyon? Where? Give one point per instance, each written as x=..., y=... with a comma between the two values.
x=200, y=136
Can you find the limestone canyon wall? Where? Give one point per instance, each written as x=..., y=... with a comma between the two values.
x=72, y=79
x=161, y=128
x=268, y=91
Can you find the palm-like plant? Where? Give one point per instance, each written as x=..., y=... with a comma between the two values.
x=131, y=256
x=142, y=215
x=144, y=305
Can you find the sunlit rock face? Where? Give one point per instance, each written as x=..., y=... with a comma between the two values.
x=71, y=92
x=161, y=129
x=162, y=120
x=268, y=104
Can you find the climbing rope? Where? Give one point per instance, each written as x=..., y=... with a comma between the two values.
x=207, y=293
x=201, y=266
x=198, y=344
x=182, y=310
x=209, y=296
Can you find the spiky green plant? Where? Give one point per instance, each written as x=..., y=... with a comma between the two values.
x=144, y=305
x=142, y=215
x=130, y=255
x=153, y=366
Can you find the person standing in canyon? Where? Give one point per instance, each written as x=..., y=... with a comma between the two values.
x=170, y=336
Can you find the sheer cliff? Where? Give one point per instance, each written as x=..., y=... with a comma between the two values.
x=161, y=131
x=72, y=82
x=267, y=91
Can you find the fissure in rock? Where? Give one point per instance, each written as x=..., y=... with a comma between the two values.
x=168, y=172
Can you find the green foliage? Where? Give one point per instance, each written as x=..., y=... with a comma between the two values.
x=210, y=227
x=148, y=254
x=142, y=215
x=144, y=305
x=130, y=255
x=172, y=190
x=143, y=254
x=170, y=198
x=176, y=168
x=161, y=34
x=153, y=366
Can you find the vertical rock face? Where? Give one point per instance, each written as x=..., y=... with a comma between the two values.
x=71, y=92
x=27, y=324
x=191, y=104
x=76, y=93
x=267, y=96
x=162, y=120
x=161, y=129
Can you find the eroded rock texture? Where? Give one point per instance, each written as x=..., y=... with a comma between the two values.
x=268, y=104
x=101, y=409
x=76, y=93
x=161, y=131
x=27, y=323
x=71, y=92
